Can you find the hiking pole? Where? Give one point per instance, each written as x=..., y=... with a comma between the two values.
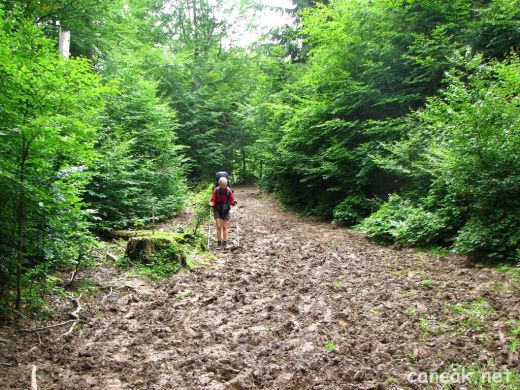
x=238, y=231
x=209, y=227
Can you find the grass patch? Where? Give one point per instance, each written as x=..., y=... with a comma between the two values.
x=514, y=331
x=337, y=285
x=408, y=293
x=483, y=378
x=427, y=283
x=474, y=312
x=411, y=310
x=413, y=273
x=376, y=310
x=512, y=270
x=426, y=328
x=422, y=258
x=330, y=346
x=88, y=287
x=182, y=295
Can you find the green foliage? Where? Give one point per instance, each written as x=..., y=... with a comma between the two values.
x=369, y=63
x=165, y=262
x=352, y=209
x=201, y=207
x=463, y=150
x=49, y=111
x=139, y=176
x=330, y=346
x=207, y=85
x=402, y=222
x=474, y=312
x=341, y=128
x=361, y=100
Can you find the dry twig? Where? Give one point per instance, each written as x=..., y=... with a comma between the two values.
x=34, y=383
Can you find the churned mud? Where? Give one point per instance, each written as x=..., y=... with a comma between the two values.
x=300, y=305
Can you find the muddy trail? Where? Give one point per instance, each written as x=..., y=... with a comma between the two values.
x=301, y=305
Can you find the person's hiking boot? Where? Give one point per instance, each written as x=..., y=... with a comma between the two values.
x=224, y=244
x=219, y=244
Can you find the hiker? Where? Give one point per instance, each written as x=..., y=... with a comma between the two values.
x=222, y=198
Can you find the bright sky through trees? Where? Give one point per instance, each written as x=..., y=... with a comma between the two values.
x=248, y=24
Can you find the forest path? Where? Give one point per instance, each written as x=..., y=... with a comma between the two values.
x=301, y=305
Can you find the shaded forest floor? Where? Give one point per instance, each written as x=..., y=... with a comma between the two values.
x=301, y=305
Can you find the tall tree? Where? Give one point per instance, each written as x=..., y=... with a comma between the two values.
x=48, y=118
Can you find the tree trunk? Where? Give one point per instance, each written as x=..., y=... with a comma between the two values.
x=21, y=223
x=244, y=173
x=64, y=43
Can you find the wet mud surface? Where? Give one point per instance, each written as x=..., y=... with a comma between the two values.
x=300, y=305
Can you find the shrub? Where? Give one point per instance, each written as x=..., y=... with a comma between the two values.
x=402, y=222
x=352, y=209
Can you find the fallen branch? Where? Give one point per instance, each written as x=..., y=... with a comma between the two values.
x=111, y=256
x=34, y=383
x=70, y=329
x=29, y=351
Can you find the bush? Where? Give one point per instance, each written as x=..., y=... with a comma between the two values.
x=463, y=149
x=352, y=209
x=402, y=222
x=495, y=237
x=200, y=204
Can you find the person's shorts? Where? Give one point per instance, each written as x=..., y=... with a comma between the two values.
x=216, y=214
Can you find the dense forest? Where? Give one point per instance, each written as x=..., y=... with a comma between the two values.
x=398, y=117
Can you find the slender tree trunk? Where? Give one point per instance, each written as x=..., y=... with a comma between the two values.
x=21, y=223
x=244, y=173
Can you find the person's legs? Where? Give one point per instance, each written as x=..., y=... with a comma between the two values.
x=218, y=223
x=225, y=225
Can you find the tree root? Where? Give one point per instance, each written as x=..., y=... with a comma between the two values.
x=46, y=327
x=74, y=314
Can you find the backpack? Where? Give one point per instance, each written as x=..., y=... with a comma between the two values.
x=220, y=174
x=224, y=207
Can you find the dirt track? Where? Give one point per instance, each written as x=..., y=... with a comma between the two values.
x=300, y=306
